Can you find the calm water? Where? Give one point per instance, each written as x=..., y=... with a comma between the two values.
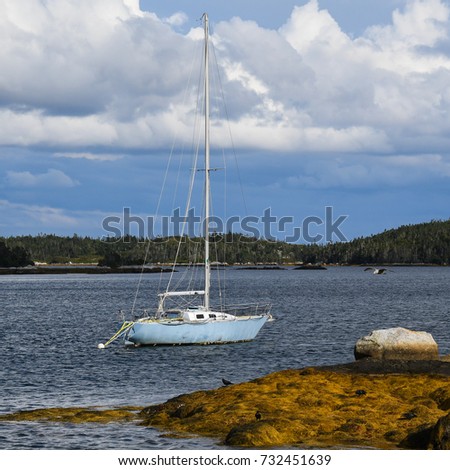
x=51, y=325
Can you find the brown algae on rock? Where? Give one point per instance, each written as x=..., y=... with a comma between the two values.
x=74, y=415
x=311, y=407
x=344, y=406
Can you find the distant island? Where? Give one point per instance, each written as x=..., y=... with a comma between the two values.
x=425, y=243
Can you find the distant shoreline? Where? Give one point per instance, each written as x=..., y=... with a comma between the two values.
x=84, y=270
x=94, y=269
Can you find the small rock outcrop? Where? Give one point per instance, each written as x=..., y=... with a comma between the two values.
x=397, y=344
x=256, y=434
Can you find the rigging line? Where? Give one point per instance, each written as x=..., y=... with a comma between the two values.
x=191, y=185
x=194, y=61
x=224, y=235
x=175, y=138
x=191, y=269
x=220, y=100
x=186, y=212
x=229, y=129
x=194, y=270
x=181, y=279
x=195, y=267
x=177, y=179
x=217, y=254
x=196, y=118
x=194, y=248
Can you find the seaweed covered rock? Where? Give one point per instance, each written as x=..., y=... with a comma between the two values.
x=74, y=415
x=397, y=344
x=257, y=434
x=440, y=434
x=442, y=397
x=367, y=403
x=345, y=408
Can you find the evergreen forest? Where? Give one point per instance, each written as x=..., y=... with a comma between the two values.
x=425, y=243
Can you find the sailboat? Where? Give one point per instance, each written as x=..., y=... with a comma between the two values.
x=197, y=323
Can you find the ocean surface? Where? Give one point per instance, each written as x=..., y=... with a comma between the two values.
x=51, y=325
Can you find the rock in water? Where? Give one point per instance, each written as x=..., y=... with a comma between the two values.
x=397, y=344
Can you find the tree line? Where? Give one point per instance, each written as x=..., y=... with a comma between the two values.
x=426, y=243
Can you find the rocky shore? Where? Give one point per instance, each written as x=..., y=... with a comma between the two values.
x=366, y=404
x=396, y=395
x=83, y=269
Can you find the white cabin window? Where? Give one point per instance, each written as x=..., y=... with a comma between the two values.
x=212, y=315
x=200, y=315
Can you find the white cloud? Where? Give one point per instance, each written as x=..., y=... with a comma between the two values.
x=374, y=172
x=422, y=23
x=84, y=57
x=35, y=217
x=19, y=218
x=82, y=74
x=102, y=157
x=37, y=128
x=134, y=7
x=177, y=19
x=51, y=179
x=310, y=27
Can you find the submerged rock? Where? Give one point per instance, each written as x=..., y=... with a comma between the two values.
x=397, y=344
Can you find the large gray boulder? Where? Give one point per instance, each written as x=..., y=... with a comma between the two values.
x=397, y=344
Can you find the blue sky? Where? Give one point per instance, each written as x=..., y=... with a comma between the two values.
x=341, y=103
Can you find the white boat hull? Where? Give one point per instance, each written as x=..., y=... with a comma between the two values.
x=163, y=332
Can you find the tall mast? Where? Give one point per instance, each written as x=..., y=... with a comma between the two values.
x=207, y=167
